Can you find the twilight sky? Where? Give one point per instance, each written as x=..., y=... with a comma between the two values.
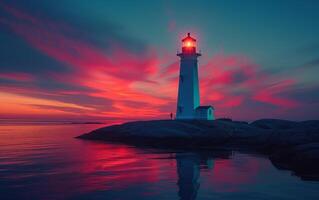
x=95, y=60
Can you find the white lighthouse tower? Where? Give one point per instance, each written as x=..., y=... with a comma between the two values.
x=188, y=100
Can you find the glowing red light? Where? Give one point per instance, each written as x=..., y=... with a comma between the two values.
x=189, y=42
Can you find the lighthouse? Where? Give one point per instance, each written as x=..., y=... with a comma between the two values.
x=188, y=100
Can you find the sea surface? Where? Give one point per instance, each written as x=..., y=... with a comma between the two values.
x=44, y=161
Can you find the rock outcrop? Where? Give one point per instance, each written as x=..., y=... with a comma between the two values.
x=290, y=145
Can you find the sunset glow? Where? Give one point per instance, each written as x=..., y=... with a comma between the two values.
x=54, y=67
x=159, y=99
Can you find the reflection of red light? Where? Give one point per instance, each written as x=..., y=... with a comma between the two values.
x=231, y=175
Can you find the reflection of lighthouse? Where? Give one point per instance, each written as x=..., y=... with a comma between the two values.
x=188, y=102
x=188, y=170
x=188, y=175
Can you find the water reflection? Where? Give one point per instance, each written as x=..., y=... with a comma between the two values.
x=46, y=162
x=188, y=175
x=189, y=166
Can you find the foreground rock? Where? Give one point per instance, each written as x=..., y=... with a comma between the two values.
x=183, y=132
x=302, y=159
x=291, y=145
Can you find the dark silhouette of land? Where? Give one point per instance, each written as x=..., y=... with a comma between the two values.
x=289, y=145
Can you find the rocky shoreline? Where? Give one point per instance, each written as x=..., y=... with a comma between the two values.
x=289, y=145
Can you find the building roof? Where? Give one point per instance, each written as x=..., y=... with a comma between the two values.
x=189, y=38
x=205, y=107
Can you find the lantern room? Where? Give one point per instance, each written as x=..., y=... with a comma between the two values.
x=189, y=44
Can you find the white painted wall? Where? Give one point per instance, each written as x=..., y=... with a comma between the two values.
x=188, y=88
x=205, y=114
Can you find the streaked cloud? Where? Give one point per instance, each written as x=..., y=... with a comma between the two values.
x=60, y=70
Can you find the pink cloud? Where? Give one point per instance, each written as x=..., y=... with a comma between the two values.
x=271, y=94
x=122, y=76
x=231, y=82
x=17, y=76
x=170, y=70
x=52, y=38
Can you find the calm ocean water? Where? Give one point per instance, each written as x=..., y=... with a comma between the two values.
x=44, y=161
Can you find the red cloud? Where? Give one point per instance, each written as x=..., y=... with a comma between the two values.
x=121, y=76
